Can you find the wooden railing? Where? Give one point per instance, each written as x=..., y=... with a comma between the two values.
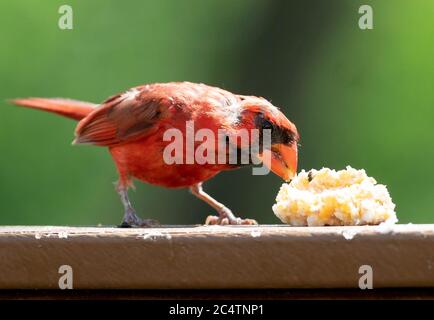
x=214, y=257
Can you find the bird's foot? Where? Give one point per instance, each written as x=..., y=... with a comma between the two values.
x=131, y=220
x=143, y=223
x=226, y=217
x=216, y=220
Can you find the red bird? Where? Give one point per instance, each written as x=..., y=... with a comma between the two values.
x=132, y=125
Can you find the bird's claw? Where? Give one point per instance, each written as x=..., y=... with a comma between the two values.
x=218, y=220
x=131, y=220
x=143, y=223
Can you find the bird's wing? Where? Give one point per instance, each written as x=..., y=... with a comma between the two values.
x=124, y=117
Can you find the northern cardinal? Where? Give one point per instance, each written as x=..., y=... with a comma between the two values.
x=132, y=124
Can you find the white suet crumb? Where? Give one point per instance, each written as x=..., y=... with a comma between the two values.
x=153, y=235
x=255, y=233
x=62, y=235
x=349, y=234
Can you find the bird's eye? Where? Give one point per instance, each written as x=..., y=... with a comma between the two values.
x=267, y=125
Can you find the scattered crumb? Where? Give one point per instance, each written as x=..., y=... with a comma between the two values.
x=255, y=233
x=63, y=235
x=385, y=227
x=349, y=233
x=153, y=235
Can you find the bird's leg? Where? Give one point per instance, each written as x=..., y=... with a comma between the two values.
x=225, y=214
x=131, y=219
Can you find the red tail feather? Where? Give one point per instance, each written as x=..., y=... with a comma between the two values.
x=68, y=108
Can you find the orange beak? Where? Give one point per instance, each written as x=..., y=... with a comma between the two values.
x=282, y=160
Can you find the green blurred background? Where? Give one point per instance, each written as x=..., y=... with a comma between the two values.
x=359, y=98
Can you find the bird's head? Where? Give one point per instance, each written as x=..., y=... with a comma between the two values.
x=281, y=157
